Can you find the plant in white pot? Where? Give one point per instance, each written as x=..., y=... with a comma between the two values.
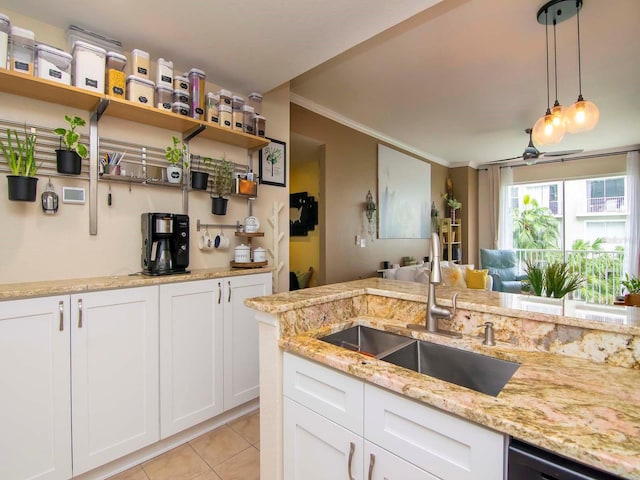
x=69, y=158
x=222, y=185
x=176, y=155
x=20, y=157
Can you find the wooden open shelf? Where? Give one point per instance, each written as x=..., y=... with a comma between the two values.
x=249, y=235
x=248, y=264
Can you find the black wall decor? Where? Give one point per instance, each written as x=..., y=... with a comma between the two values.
x=303, y=214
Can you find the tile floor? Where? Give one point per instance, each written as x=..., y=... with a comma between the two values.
x=230, y=452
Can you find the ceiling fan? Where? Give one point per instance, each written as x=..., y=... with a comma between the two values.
x=531, y=154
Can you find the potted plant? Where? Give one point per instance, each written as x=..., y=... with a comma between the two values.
x=632, y=284
x=69, y=159
x=453, y=205
x=22, y=164
x=176, y=154
x=200, y=179
x=553, y=280
x=222, y=185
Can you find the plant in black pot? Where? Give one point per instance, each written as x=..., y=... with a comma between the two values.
x=199, y=178
x=177, y=156
x=20, y=158
x=222, y=185
x=69, y=158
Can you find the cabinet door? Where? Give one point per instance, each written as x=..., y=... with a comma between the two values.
x=190, y=354
x=241, y=374
x=380, y=464
x=35, y=403
x=315, y=448
x=114, y=374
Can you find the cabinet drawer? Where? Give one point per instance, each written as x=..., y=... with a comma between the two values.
x=332, y=394
x=442, y=444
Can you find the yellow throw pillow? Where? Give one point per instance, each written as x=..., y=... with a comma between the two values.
x=476, y=278
x=453, y=276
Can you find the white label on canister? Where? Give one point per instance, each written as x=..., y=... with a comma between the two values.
x=91, y=83
x=142, y=99
x=55, y=73
x=142, y=71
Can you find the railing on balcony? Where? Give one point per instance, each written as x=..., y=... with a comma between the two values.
x=605, y=205
x=601, y=269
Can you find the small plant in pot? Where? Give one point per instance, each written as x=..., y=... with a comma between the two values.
x=20, y=158
x=200, y=179
x=69, y=158
x=632, y=284
x=222, y=185
x=176, y=155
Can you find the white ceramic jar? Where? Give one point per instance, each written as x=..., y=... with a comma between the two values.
x=251, y=224
x=259, y=254
x=242, y=254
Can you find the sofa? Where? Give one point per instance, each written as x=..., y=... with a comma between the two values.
x=502, y=266
x=453, y=275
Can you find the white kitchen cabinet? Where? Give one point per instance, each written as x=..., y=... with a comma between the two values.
x=241, y=362
x=380, y=464
x=35, y=403
x=315, y=448
x=114, y=365
x=191, y=354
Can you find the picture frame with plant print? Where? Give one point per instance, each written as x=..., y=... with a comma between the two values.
x=273, y=163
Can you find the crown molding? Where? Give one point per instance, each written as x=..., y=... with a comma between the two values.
x=341, y=119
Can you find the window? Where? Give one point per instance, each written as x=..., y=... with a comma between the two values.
x=605, y=195
x=613, y=232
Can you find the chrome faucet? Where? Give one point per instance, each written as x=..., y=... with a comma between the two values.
x=435, y=311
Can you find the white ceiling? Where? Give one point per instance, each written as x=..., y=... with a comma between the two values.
x=457, y=82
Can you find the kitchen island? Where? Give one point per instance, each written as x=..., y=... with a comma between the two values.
x=575, y=393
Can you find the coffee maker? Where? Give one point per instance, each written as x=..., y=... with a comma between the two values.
x=165, y=243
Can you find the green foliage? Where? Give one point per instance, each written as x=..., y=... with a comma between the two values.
x=21, y=156
x=601, y=270
x=535, y=277
x=534, y=227
x=71, y=138
x=451, y=202
x=223, y=177
x=555, y=279
x=177, y=152
x=631, y=283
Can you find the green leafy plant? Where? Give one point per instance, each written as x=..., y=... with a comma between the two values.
x=177, y=153
x=20, y=157
x=223, y=171
x=452, y=202
x=204, y=161
x=535, y=277
x=631, y=283
x=555, y=279
x=71, y=138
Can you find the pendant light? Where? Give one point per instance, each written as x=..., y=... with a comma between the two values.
x=557, y=111
x=583, y=115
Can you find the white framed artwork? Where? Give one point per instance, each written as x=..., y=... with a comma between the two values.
x=404, y=195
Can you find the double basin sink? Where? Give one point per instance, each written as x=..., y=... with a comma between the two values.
x=478, y=372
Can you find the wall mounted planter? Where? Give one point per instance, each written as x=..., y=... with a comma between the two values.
x=22, y=189
x=219, y=205
x=68, y=162
x=199, y=180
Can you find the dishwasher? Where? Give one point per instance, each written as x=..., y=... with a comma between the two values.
x=527, y=462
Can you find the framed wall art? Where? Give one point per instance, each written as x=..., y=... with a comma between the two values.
x=273, y=163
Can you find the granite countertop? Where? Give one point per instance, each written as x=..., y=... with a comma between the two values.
x=581, y=409
x=10, y=291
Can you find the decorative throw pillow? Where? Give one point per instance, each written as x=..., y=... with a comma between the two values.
x=453, y=276
x=476, y=278
x=408, y=274
x=423, y=276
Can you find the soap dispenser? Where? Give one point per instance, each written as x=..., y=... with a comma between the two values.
x=49, y=199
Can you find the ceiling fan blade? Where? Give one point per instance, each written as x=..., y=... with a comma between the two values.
x=562, y=153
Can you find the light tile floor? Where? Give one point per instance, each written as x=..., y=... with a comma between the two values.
x=230, y=452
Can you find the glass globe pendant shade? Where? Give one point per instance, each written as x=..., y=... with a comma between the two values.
x=559, y=120
x=545, y=132
x=582, y=116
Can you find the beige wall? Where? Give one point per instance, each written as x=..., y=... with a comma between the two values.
x=38, y=247
x=349, y=170
x=465, y=190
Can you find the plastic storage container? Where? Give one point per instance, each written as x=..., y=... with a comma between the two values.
x=5, y=29
x=140, y=64
x=255, y=100
x=196, y=91
x=226, y=97
x=22, y=50
x=115, y=78
x=211, y=106
x=88, y=66
x=260, y=125
x=180, y=108
x=181, y=83
x=164, y=73
x=140, y=90
x=181, y=96
x=53, y=64
x=225, y=116
x=248, y=123
x=164, y=97
x=238, y=116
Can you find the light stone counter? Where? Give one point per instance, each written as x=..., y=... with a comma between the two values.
x=11, y=291
x=577, y=391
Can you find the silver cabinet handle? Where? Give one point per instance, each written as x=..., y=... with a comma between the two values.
x=79, y=313
x=61, y=309
x=352, y=450
x=219, y=292
x=229, y=297
x=372, y=462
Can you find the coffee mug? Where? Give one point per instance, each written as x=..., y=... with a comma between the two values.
x=221, y=242
x=205, y=242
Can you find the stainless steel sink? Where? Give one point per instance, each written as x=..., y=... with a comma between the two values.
x=471, y=370
x=368, y=340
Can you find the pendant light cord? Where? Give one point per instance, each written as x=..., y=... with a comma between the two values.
x=546, y=35
x=555, y=60
x=579, y=53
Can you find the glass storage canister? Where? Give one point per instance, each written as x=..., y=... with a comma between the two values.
x=53, y=64
x=181, y=96
x=88, y=66
x=164, y=73
x=140, y=90
x=225, y=97
x=260, y=125
x=226, y=117
x=181, y=83
x=164, y=97
x=23, y=43
x=5, y=29
x=180, y=108
x=212, y=108
x=115, y=78
x=255, y=100
x=140, y=63
x=248, y=122
x=196, y=91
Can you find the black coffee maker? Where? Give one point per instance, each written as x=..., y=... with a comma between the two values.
x=165, y=243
